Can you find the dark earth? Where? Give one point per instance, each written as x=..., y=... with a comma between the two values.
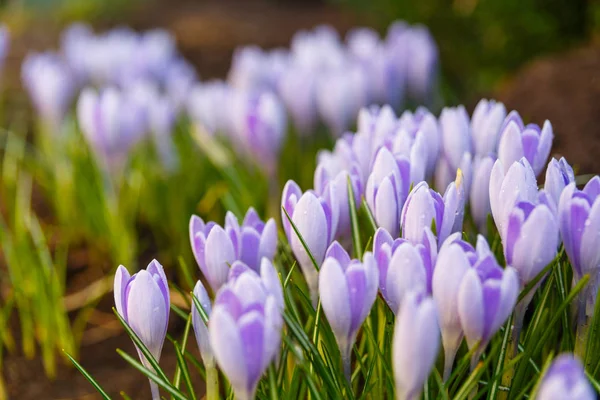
x=564, y=88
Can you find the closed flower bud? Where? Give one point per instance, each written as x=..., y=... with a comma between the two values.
x=200, y=327
x=558, y=175
x=486, y=122
x=423, y=127
x=416, y=344
x=565, y=379
x=518, y=140
x=479, y=199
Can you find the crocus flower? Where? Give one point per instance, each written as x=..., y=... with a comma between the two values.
x=254, y=239
x=50, y=86
x=414, y=149
x=508, y=186
x=330, y=174
x=456, y=142
x=518, y=140
x=565, y=379
x=558, y=175
x=340, y=95
x=213, y=250
x=348, y=289
x=204, y=106
x=316, y=219
x=403, y=266
x=245, y=331
x=259, y=121
x=416, y=344
x=200, y=327
x=179, y=78
x=479, y=199
x=248, y=69
x=486, y=122
x=579, y=223
x=387, y=189
x=425, y=206
x=423, y=126
x=112, y=122
x=376, y=125
x=455, y=258
x=143, y=301
x=4, y=44
x=486, y=298
x=297, y=89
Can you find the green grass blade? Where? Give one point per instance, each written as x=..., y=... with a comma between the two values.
x=182, y=366
x=87, y=376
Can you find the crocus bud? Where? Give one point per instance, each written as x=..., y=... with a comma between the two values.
x=297, y=89
x=387, y=189
x=328, y=174
x=508, y=188
x=259, y=121
x=456, y=141
x=422, y=124
x=558, y=175
x=340, y=95
x=414, y=149
x=403, y=266
x=204, y=105
x=50, y=86
x=579, y=223
x=424, y=206
x=531, y=239
x=455, y=258
x=143, y=301
x=179, y=78
x=253, y=240
x=518, y=140
x=112, y=122
x=480, y=192
x=416, y=344
x=245, y=331
x=565, y=379
x=213, y=250
x=376, y=125
x=486, y=298
x=248, y=69
x=316, y=220
x=200, y=327
x=348, y=289
x=486, y=122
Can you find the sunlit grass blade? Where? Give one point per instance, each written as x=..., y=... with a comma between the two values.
x=89, y=378
x=182, y=366
x=500, y=364
x=369, y=215
x=186, y=334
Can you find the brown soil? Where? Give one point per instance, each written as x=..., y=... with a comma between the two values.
x=565, y=89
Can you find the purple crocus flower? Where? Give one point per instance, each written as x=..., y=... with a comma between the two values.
x=248, y=69
x=214, y=263
x=518, y=140
x=387, y=189
x=456, y=143
x=425, y=206
x=327, y=176
x=259, y=121
x=508, y=186
x=558, y=175
x=565, y=379
x=316, y=218
x=414, y=149
x=112, y=122
x=423, y=127
x=480, y=192
x=486, y=298
x=486, y=122
x=200, y=327
x=455, y=258
x=297, y=89
x=245, y=331
x=416, y=344
x=4, y=44
x=376, y=125
x=403, y=266
x=179, y=78
x=340, y=95
x=348, y=289
x=204, y=106
x=143, y=301
x=579, y=223
x=254, y=239
x=50, y=86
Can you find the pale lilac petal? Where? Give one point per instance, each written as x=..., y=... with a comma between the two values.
x=471, y=307
x=227, y=346
x=122, y=278
x=335, y=297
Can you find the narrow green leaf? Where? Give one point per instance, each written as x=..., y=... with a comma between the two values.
x=186, y=333
x=591, y=353
x=369, y=215
x=201, y=310
x=500, y=364
x=356, y=244
x=535, y=280
x=184, y=371
x=87, y=376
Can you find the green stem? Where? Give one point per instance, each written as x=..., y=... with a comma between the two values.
x=583, y=329
x=212, y=383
